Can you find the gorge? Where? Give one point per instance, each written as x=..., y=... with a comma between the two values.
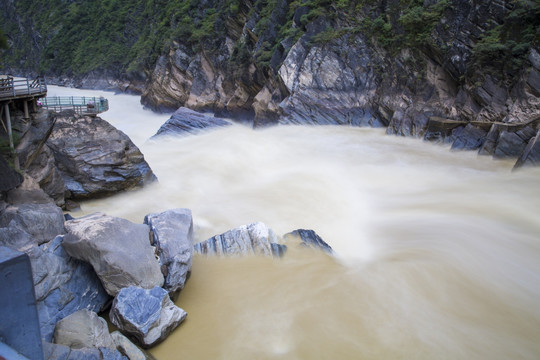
x=435, y=250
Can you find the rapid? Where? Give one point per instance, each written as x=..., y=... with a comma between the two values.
x=437, y=252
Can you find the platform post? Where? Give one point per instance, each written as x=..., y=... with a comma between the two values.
x=25, y=106
x=10, y=135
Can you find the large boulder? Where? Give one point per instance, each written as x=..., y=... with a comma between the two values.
x=83, y=329
x=43, y=222
x=118, y=250
x=62, y=352
x=63, y=285
x=96, y=159
x=148, y=315
x=309, y=239
x=185, y=121
x=172, y=234
x=252, y=239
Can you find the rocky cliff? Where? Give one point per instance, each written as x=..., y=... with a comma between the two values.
x=403, y=65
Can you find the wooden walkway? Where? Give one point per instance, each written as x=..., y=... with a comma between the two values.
x=12, y=89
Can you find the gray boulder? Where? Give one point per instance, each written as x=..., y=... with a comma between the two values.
x=83, y=329
x=185, y=121
x=172, y=234
x=96, y=159
x=63, y=285
x=148, y=315
x=118, y=250
x=43, y=222
x=308, y=238
x=252, y=239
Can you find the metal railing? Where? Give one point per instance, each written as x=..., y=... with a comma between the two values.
x=81, y=104
x=11, y=87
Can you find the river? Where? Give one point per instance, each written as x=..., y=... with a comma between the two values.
x=438, y=252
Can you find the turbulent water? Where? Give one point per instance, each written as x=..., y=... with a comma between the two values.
x=438, y=252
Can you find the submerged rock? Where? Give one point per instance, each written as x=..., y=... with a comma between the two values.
x=148, y=315
x=118, y=250
x=172, y=233
x=96, y=159
x=252, y=239
x=186, y=121
x=308, y=238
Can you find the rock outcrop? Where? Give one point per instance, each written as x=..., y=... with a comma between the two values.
x=146, y=314
x=118, y=250
x=10, y=178
x=185, y=121
x=94, y=158
x=252, y=239
x=309, y=239
x=172, y=234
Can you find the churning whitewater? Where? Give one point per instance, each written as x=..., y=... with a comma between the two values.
x=438, y=252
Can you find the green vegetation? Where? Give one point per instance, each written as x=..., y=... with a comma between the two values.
x=3, y=40
x=504, y=47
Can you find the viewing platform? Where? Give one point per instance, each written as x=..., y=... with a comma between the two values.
x=11, y=88
x=83, y=105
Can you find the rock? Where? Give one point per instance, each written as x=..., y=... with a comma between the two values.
x=37, y=159
x=63, y=285
x=531, y=154
x=172, y=233
x=185, y=121
x=83, y=329
x=118, y=250
x=308, y=238
x=61, y=352
x=43, y=222
x=10, y=179
x=55, y=351
x=469, y=138
x=94, y=158
x=146, y=314
x=28, y=192
x=129, y=349
x=252, y=239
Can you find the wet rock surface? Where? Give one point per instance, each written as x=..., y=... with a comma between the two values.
x=252, y=239
x=146, y=314
x=185, y=121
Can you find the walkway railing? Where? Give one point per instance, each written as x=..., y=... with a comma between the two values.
x=81, y=104
x=11, y=88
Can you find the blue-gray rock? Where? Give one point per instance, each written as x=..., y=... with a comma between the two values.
x=148, y=315
x=63, y=285
x=252, y=239
x=172, y=233
x=118, y=250
x=469, y=138
x=55, y=351
x=308, y=238
x=83, y=329
x=43, y=222
x=10, y=179
x=531, y=154
x=186, y=121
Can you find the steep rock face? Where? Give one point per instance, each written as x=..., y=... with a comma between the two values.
x=96, y=159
